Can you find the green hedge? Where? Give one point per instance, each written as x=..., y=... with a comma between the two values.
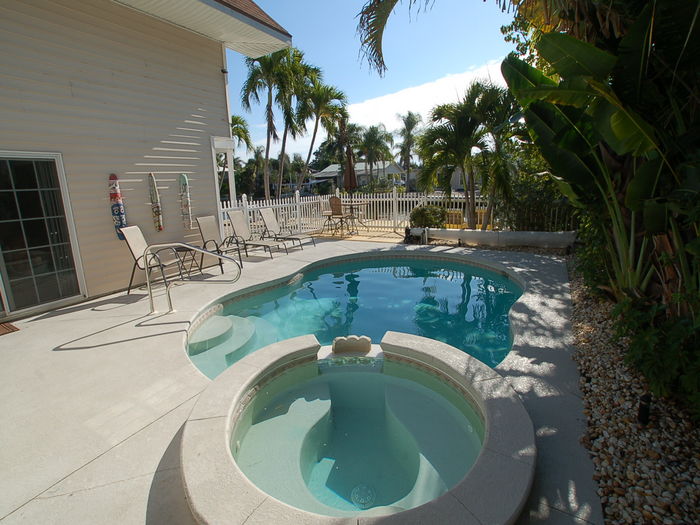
x=428, y=217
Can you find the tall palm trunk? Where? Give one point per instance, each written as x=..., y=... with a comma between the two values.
x=280, y=177
x=300, y=181
x=472, y=198
x=489, y=208
x=467, y=203
x=266, y=166
x=469, y=192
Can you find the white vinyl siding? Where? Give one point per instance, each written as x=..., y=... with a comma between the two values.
x=113, y=91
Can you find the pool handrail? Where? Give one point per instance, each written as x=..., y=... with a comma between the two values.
x=155, y=247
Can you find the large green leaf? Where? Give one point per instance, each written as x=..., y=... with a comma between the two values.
x=566, y=190
x=633, y=54
x=565, y=164
x=642, y=185
x=632, y=134
x=571, y=57
x=520, y=75
x=579, y=98
x=655, y=217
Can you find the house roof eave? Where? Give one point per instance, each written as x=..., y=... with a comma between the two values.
x=244, y=27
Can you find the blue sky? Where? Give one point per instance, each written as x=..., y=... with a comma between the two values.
x=432, y=55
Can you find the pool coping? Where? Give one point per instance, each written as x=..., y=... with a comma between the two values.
x=217, y=491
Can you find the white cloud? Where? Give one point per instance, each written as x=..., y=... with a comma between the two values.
x=419, y=99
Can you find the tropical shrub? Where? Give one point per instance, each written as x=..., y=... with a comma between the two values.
x=591, y=259
x=619, y=127
x=428, y=217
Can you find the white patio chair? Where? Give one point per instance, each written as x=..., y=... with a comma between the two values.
x=243, y=235
x=212, y=241
x=137, y=245
x=274, y=230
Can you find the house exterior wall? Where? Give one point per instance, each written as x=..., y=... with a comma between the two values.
x=113, y=91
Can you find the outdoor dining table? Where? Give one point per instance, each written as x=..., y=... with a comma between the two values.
x=354, y=218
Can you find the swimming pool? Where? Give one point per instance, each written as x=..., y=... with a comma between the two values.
x=446, y=300
x=357, y=435
x=297, y=433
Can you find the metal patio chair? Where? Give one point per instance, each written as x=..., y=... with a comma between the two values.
x=275, y=231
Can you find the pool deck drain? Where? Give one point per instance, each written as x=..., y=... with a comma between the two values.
x=94, y=397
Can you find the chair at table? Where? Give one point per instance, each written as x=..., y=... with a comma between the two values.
x=338, y=217
x=137, y=246
x=212, y=241
x=274, y=230
x=243, y=235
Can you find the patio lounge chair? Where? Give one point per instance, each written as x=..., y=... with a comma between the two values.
x=243, y=235
x=274, y=230
x=212, y=241
x=137, y=245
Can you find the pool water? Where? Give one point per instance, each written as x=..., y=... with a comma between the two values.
x=464, y=306
x=352, y=438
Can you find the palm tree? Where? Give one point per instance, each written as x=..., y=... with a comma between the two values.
x=295, y=76
x=376, y=146
x=264, y=77
x=241, y=135
x=495, y=109
x=296, y=167
x=447, y=145
x=408, y=134
x=240, y=132
x=349, y=136
x=323, y=103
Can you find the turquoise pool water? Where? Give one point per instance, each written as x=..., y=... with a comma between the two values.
x=345, y=440
x=464, y=306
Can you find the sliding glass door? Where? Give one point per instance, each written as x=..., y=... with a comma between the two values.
x=36, y=256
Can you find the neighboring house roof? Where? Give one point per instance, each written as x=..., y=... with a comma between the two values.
x=239, y=24
x=361, y=168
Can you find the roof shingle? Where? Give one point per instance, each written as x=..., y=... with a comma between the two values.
x=252, y=10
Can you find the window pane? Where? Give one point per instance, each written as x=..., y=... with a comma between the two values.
x=53, y=206
x=29, y=204
x=23, y=174
x=62, y=256
x=5, y=181
x=46, y=173
x=23, y=293
x=17, y=264
x=35, y=232
x=48, y=288
x=68, y=283
x=8, y=206
x=11, y=236
x=58, y=230
x=41, y=260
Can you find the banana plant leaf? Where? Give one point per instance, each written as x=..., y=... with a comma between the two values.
x=571, y=57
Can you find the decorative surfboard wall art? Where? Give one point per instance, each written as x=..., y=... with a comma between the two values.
x=185, y=202
x=156, y=210
x=117, y=205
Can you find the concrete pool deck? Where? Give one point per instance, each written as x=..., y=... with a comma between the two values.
x=94, y=396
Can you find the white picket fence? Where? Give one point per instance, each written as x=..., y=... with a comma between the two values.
x=374, y=211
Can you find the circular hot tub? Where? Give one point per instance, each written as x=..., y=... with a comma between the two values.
x=414, y=429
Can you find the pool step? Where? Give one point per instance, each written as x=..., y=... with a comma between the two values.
x=274, y=445
x=264, y=333
x=224, y=336
x=210, y=333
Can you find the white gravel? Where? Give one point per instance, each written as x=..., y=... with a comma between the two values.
x=646, y=474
